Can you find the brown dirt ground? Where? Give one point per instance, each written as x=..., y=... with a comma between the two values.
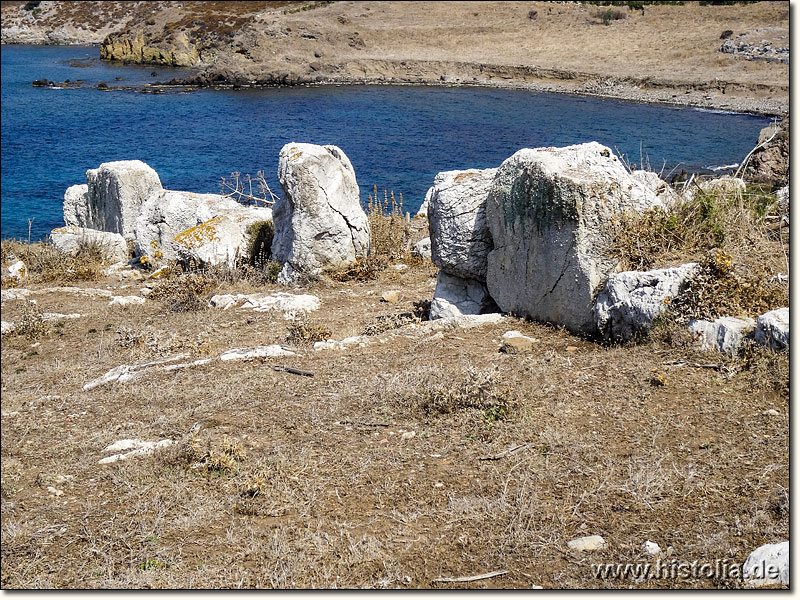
x=343, y=500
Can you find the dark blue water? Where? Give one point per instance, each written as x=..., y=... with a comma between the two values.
x=397, y=138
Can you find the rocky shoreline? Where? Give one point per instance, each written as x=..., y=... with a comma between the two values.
x=676, y=94
x=502, y=46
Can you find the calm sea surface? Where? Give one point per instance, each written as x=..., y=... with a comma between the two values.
x=397, y=137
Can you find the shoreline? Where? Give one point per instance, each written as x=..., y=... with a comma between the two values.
x=667, y=55
x=541, y=80
x=746, y=106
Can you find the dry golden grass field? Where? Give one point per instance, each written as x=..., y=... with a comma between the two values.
x=417, y=456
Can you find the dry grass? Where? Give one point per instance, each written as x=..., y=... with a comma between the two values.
x=313, y=482
x=720, y=288
x=31, y=324
x=412, y=458
x=733, y=222
x=391, y=238
x=184, y=292
x=46, y=264
x=390, y=232
x=475, y=389
x=729, y=235
x=364, y=269
x=383, y=323
x=303, y=331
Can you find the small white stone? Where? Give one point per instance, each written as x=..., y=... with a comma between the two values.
x=126, y=300
x=767, y=565
x=391, y=296
x=133, y=447
x=651, y=548
x=288, y=304
x=587, y=544
x=771, y=413
x=257, y=352
x=18, y=270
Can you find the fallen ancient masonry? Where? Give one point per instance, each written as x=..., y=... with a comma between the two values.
x=132, y=373
x=319, y=223
x=124, y=200
x=532, y=238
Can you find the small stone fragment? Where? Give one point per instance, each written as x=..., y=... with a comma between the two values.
x=587, y=544
x=391, y=296
x=651, y=548
x=517, y=345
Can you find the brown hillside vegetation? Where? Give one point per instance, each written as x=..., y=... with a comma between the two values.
x=667, y=53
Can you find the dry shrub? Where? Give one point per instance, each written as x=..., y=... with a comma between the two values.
x=129, y=338
x=364, y=269
x=46, y=264
x=733, y=222
x=184, y=292
x=150, y=341
x=259, y=243
x=382, y=323
x=201, y=451
x=258, y=274
x=389, y=230
x=270, y=488
x=610, y=14
x=478, y=389
x=666, y=331
x=31, y=325
x=389, y=239
x=719, y=288
x=303, y=331
x=765, y=368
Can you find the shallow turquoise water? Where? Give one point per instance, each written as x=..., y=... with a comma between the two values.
x=397, y=137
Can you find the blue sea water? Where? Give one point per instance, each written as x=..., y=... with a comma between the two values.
x=397, y=137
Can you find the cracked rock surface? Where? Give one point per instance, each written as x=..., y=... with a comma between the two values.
x=319, y=223
x=549, y=212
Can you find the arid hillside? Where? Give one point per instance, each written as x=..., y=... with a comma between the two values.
x=667, y=53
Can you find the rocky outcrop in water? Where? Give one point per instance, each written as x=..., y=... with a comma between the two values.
x=319, y=223
x=770, y=162
x=177, y=52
